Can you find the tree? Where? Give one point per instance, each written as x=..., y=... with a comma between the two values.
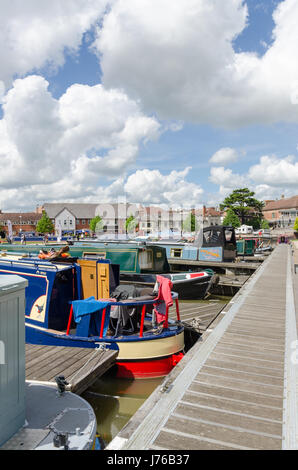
x=96, y=224
x=131, y=224
x=296, y=225
x=231, y=219
x=265, y=224
x=44, y=225
x=244, y=205
x=190, y=223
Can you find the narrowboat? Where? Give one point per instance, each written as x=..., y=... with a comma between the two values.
x=215, y=243
x=246, y=247
x=70, y=302
x=139, y=264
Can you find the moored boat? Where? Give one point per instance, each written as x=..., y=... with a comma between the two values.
x=138, y=262
x=69, y=303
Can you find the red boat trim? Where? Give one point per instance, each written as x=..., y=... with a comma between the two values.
x=150, y=368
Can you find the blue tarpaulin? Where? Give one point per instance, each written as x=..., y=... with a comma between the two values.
x=94, y=309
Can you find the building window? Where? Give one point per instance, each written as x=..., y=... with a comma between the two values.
x=83, y=221
x=273, y=215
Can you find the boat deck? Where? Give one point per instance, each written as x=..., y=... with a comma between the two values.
x=237, y=387
x=79, y=366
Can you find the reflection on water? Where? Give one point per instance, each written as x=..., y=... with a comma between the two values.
x=116, y=400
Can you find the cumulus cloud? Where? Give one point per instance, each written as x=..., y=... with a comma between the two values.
x=152, y=187
x=89, y=133
x=275, y=172
x=225, y=177
x=178, y=58
x=269, y=178
x=223, y=156
x=34, y=33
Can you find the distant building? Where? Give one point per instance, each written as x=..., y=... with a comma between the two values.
x=281, y=213
x=20, y=221
x=151, y=220
x=212, y=216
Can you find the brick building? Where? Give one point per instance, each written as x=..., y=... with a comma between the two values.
x=20, y=221
x=281, y=213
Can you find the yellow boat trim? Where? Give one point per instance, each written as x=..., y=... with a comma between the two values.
x=151, y=349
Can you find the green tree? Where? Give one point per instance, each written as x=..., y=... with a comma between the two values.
x=44, y=225
x=131, y=224
x=190, y=223
x=231, y=219
x=296, y=225
x=244, y=205
x=96, y=224
x=265, y=224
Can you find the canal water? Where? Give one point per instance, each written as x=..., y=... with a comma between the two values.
x=115, y=401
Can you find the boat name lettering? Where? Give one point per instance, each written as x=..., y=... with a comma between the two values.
x=210, y=253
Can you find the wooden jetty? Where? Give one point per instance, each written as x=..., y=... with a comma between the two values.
x=237, y=387
x=235, y=267
x=80, y=366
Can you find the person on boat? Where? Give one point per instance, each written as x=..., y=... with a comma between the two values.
x=53, y=254
x=23, y=239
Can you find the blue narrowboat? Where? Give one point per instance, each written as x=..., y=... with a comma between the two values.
x=71, y=302
x=215, y=243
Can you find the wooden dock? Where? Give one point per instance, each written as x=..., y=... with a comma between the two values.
x=80, y=366
x=238, y=267
x=237, y=387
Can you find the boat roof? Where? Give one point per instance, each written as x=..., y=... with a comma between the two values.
x=32, y=260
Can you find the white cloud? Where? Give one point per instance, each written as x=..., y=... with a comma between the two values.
x=36, y=33
x=152, y=187
x=269, y=179
x=178, y=58
x=88, y=134
x=276, y=172
x=226, y=178
x=224, y=155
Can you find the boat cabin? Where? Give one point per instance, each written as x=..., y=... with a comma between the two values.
x=218, y=244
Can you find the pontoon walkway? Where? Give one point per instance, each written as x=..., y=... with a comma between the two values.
x=237, y=389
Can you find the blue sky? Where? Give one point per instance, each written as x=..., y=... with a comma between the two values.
x=133, y=98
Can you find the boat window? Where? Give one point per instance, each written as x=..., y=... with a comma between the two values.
x=176, y=252
x=228, y=235
x=212, y=237
x=146, y=259
x=96, y=254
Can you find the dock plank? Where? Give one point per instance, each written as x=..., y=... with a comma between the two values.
x=79, y=366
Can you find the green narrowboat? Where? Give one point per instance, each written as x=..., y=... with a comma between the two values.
x=133, y=258
x=246, y=247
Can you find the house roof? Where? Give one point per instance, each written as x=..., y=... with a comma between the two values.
x=212, y=212
x=288, y=203
x=89, y=210
x=80, y=211
x=15, y=217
